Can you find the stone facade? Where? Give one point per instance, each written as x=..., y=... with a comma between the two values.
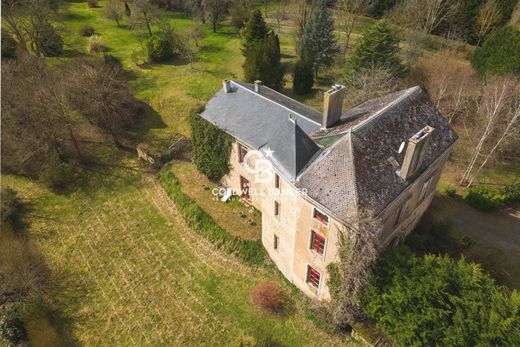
x=286, y=235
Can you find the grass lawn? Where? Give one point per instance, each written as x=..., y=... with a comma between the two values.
x=131, y=272
x=226, y=214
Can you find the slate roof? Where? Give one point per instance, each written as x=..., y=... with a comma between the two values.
x=352, y=170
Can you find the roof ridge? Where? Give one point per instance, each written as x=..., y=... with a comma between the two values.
x=276, y=103
x=376, y=115
x=353, y=172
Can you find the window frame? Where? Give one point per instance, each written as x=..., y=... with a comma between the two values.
x=276, y=181
x=322, y=240
x=276, y=242
x=314, y=210
x=242, y=152
x=310, y=275
x=425, y=189
x=399, y=213
x=276, y=209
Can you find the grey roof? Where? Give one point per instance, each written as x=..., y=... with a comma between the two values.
x=292, y=149
x=252, y=117
x=361, y=156
x=352, y=171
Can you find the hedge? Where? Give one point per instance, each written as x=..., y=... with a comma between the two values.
x=251, y=251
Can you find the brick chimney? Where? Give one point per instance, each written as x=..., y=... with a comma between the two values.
x=415, y=150
x=332, y=105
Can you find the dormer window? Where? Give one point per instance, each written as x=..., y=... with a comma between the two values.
x=321, y=217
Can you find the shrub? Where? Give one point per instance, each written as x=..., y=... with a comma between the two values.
x=8, y=46
x=245, y=341
x=268, y=296
x=511, y=193
x=451, y=191
x=211, y=148
x=484, y=198
x=159, y=49
x=110, y=60
x=12, y=206
x=499, y=53
x=303, y=78
x=49, y=41
x=92, y=3
x=12, y=328
x=436, y=301
x=95, y=44
x=86, y=30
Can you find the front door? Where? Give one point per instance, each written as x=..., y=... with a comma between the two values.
x=244, y=189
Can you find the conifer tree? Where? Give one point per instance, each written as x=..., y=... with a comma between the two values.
x=303, y=78
x=318, y=43
x=261, y=49
x=378, y=48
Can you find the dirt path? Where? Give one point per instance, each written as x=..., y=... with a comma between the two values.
x=496, y=237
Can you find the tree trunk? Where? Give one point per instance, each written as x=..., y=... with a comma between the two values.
x=147, y=21
x=74, y=142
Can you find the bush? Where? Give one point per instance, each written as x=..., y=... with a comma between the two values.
x=436, y=301
x=49, y=41
x=268, y=296
x=251, y=251
x=92, y=3
x=95, y=44
x=12, y=328
x=12, y=206
x=451, y=191
x=211, y=148
x=484, y=198
x=245, y=341
x=8, y=46
x=303, y=78
x=110, y=60
x=86, y=30
x=499, y=53
x=159, y=49
x=511, y=193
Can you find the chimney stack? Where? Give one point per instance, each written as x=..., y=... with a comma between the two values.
x=258, y=83
x=415, y=152
x=227, y=86
x=332, y=105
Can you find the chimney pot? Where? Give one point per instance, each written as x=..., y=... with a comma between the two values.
x=258, y=83
x=332, y=105
x=227, y=86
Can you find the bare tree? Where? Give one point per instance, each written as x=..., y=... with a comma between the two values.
x=488, y=17
x=144, y=15
x=305, y=8
x=190, y=41
x=215, y=11
x=370, y=83
x=498, y=112
x=358, y=251
x=113, y=9
x=279, y=13
x=349, y=13
x=423, y=15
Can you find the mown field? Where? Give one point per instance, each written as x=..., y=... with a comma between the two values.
x=130, y=272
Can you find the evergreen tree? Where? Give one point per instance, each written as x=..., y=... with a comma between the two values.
x=379, y=48
x=261, y=49
x=263, y=62
x=303, y=78
x=255, y=30
x=318, y=43
x=500, y=53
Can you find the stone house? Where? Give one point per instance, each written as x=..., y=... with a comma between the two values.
x=312, y=173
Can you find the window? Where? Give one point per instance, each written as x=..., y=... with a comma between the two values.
x=323, y=218
x=398, y=214
x=276, y=181
x=276, y=209
x=313, y=277
x=424, y=189
x=242, y=151
x=275, y=242
x=244, y=187
x=317, y=242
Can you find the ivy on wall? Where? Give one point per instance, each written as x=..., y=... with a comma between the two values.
x=211, y=147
